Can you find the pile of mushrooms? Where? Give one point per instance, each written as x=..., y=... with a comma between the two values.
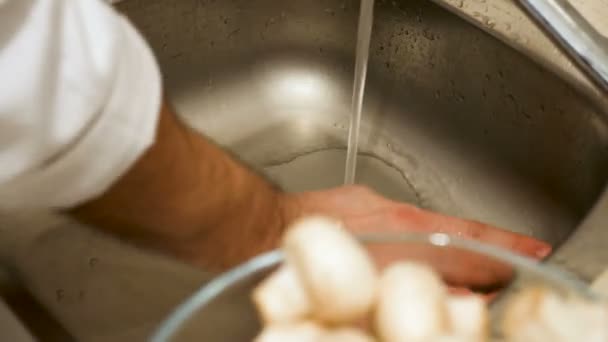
x=328, y=284
x=328, y=288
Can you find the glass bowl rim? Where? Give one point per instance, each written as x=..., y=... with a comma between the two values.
x=214, y=287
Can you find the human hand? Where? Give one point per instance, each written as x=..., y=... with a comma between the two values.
x=364, y=211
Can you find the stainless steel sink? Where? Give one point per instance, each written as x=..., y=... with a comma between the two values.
x=455, y=121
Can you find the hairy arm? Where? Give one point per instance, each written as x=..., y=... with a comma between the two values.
x=190, y=198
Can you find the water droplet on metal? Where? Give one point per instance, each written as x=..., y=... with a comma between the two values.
x=93, y=262
x=426, y=33
x=59, y=294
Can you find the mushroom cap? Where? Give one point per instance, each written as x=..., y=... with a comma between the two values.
x=280, y=297
x=411, y=304
x=540, y=314
x=336, y=271
x=468, y=317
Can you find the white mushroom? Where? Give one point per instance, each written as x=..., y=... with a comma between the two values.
x=521, y=309
x=296, y=332
x=468, y=317
x=539, y=314
x=346, y=335
x=335, y=270
x=411, y=304
x=280, y=298
x=450, y=338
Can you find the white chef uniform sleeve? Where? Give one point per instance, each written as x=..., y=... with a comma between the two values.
x=80, y=93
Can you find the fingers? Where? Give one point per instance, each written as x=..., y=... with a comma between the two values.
x=425, y=221
x=457, y=267
x=509, y=240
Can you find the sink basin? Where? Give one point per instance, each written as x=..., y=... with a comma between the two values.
x=454, y=120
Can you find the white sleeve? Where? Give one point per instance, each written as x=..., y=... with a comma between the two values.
x=79, y=98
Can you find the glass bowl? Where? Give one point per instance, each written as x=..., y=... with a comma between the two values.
x=222, y=310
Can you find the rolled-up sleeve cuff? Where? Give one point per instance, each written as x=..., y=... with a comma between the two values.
x=114, y=141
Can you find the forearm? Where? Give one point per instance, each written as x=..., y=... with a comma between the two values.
x=190, y=198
